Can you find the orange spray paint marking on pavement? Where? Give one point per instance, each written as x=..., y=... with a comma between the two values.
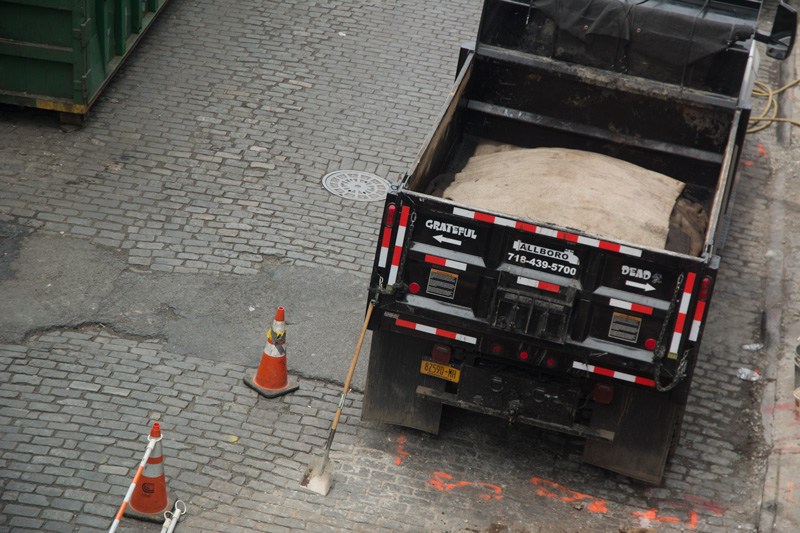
x=790, y=490
x=697, y=503
x=779, y=407
x=691, y=521
x=652, y=516
x=544, y=487
x=791, y=446
x=401, y=440
x=438, y=481
x=762, y=152
x=784, y=407
x=705, y=505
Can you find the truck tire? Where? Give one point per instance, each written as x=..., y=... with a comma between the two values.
x=393, y=375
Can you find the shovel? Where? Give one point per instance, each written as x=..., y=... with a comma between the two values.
x=318, y=474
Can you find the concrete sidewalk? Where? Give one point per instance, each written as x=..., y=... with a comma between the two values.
x=780, y=510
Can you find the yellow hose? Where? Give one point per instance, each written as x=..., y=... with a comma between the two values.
x=762, y=90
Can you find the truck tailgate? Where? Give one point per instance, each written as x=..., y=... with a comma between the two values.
x=464, y=274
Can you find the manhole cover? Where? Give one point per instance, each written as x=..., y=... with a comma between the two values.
x=356, y=185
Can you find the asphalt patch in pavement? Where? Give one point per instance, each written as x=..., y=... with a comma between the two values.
x=11, y=236
x=55, y=281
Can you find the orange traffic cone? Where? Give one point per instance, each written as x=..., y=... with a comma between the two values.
x=149, y=499
x=271, y=379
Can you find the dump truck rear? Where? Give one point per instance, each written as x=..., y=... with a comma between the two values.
x=567, y=326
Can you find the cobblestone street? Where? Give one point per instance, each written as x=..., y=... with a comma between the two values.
x=199, y=172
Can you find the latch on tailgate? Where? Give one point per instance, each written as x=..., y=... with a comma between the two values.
x=539, y=313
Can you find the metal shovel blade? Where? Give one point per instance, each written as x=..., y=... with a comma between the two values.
x=318, y=475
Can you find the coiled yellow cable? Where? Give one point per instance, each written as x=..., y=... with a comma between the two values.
x=765, y=91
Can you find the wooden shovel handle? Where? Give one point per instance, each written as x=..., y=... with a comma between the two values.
x=352, y=367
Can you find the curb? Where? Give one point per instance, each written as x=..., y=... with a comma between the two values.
x=778, y=399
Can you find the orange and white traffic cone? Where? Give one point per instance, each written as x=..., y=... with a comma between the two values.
x=149, y=499
x=271, y=379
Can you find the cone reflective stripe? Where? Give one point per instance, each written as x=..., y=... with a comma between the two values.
x=272, y=380
x=149, y=498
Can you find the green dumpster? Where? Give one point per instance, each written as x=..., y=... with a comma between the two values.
x=60, y=54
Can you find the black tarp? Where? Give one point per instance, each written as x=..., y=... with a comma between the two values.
x=678, y=37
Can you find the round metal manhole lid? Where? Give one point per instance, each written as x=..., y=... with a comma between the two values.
x=356, y=185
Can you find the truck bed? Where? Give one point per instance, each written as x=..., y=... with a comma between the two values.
x=508, y=97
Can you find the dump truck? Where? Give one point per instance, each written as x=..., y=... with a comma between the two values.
x=494, y=300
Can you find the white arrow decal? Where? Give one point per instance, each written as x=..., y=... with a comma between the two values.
x=646, y=287
x=442, y=239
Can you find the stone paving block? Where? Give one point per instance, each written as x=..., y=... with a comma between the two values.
x=57, y=527
x=27, y=511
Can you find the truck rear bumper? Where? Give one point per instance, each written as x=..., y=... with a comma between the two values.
x=574, y=429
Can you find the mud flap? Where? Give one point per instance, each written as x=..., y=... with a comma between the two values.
x=393, y=375
x=644, y=422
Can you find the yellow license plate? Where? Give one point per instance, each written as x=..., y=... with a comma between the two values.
x=441, y=371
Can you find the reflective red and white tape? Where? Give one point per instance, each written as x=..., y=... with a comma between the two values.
x=694, y=333
x=436, y=331
x=386, y=242
x=621, y=304
x=570, y=237
x=536, y=284
x=398, y=246
x=457, y=265
x=686, y=298
x=614, y=374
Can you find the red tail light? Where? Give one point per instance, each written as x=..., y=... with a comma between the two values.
x=413, y=287
x=603, y=393
x=441, y=353
x=391, y=214
x=705, y=288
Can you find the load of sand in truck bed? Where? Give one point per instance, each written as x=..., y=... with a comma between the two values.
x=583, y=190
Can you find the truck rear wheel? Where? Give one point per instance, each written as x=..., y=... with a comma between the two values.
x=392, y=379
